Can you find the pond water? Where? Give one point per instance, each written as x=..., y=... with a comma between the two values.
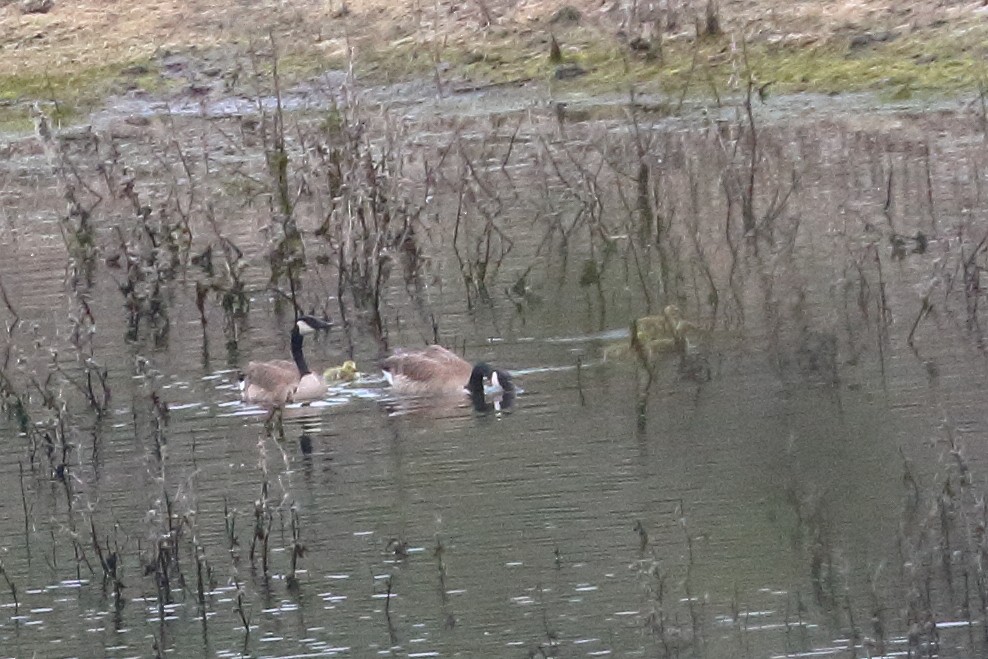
x=807, y=479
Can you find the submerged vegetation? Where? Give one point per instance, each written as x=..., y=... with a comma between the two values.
x=379, y=218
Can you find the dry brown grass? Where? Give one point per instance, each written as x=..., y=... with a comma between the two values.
x=80, y=52
x=90, y=33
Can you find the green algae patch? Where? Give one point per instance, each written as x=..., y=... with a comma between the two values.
x=68, y=94
x=590, y=61
x=883, y=68
x=927, y=62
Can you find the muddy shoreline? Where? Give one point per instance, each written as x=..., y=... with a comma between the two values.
x=133, y=114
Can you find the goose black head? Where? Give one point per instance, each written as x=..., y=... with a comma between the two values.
x=481, y=375
x=305, y=325
x=311, y=324
x=497, y=403
x=484, y=374
x=502, y=380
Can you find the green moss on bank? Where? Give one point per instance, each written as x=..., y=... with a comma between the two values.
x=946, y=59
x=927, y=62
x=71, y=92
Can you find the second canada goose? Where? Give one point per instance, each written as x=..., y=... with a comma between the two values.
x=653, y=335
x=282, y=381
x=436, y=370
x=670, y=326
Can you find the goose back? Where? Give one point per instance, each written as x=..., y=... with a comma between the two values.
x=432, y=370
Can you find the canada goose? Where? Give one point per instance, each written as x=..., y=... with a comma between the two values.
x=282, y=381
x=670, y=326
x=436, y=370
x=665, y=332
x=345, y=373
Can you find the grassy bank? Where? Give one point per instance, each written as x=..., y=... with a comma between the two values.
x=79, y=65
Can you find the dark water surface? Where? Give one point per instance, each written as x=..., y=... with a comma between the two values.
x=818, y=495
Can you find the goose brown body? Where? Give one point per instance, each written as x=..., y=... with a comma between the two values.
x=432, y=370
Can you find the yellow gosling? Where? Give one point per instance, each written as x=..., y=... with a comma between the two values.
x=345, y=373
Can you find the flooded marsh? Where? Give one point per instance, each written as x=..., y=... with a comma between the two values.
x=791, y=464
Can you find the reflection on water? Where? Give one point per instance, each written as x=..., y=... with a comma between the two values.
x=797, y=483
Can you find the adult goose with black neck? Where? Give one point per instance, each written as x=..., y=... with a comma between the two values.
x=281, y=381
x=436, y=370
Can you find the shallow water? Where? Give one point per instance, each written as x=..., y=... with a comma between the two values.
x=767, y=511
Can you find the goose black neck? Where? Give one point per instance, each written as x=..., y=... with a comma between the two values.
x=303, y=367
x=476, y=384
